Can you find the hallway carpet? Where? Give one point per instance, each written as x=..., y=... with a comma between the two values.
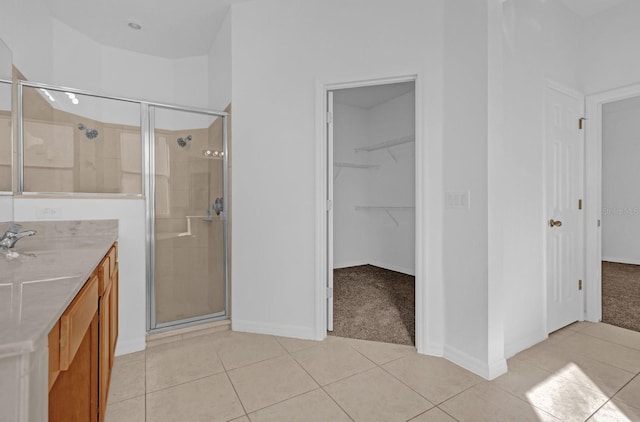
x=621, y=295
x=372, y=303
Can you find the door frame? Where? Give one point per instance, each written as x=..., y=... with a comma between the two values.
x=323, y=174
x=593, y=204
x=563, y=89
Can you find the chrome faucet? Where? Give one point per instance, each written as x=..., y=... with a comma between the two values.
x=13, y=234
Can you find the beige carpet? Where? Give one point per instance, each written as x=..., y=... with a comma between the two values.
x=371, y=303
x=621, y=295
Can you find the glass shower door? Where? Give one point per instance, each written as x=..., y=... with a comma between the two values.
x=188, y=222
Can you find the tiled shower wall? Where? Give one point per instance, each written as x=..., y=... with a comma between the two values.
x=189, y=240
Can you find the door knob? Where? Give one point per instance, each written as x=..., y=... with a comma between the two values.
x=554, y=223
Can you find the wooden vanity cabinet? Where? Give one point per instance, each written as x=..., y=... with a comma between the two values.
x=108, y=309
x=82, y=346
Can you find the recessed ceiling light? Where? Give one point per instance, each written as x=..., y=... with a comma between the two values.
x=134, y=25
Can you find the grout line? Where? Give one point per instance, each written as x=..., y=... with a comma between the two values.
x=608, y=341
x=231, y=382
x=199, y=378
x=237, y=395
x=447, y=413
x=410, y=387
x=322, y=388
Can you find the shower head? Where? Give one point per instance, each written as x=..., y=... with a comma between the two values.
x=89, y=133
x=182, y=142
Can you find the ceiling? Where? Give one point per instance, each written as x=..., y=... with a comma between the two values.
x=588, y=8
x=180, y=28
x=371, y=96
x=170, y=28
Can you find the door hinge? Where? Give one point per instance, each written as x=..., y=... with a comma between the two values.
x=329, y=117
x=579, y=204
x=329, y=204
x=581, y=122
x=329, y=292
x=579, y=284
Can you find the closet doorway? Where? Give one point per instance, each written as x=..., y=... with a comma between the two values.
x=620, y=213
x=371, y=182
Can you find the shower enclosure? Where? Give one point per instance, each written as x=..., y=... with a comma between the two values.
x=76, y=144
x=187, y=216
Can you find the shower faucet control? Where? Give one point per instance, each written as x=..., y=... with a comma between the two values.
x=218, y=206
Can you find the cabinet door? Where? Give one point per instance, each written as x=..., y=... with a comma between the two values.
x=74, y=394
x=105, y=336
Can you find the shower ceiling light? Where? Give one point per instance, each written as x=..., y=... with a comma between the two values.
x=135, y=26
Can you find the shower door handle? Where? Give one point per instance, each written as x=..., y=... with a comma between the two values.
x=218, y=206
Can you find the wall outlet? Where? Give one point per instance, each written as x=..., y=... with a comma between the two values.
x=48, y=212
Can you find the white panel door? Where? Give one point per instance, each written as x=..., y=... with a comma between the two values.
x=329, y=176
x=564, y=226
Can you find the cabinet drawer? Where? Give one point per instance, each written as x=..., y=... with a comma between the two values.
x=106, y=269
x=76, y=320
x=113, y=259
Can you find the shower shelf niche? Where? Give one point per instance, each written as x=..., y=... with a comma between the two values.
x=386, y=209
x=341, y=166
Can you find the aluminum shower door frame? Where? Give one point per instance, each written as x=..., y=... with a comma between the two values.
x=149, y=155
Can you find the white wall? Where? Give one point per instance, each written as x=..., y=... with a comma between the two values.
x=281, y=50
x=541, y=40
x=131, y=254
x=465, y=246
x=220, y=67
x=620, y=181
x=610, y=43
x=393, y=184
x=350, y=229
x=27, y=30
x=6, y=208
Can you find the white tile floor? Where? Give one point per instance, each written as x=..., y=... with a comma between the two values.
x=583, y=372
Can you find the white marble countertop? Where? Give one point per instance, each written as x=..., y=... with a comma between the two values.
x=43, y=273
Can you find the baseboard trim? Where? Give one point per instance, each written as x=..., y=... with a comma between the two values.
x=486, y=370
x=307, y=333
x=512, y=348
x=396, y=268
x=349, y=264
x=621, y=260
x=130, y=346
x=433, y=350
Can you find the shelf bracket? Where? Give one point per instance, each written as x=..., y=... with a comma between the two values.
x=392, y=156
x=392, y=217
x=335, y=176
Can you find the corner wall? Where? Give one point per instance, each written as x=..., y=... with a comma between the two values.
x=282, y=52
x=541, y=41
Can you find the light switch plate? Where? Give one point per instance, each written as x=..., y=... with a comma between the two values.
x=48, y=212
x=458, y=200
